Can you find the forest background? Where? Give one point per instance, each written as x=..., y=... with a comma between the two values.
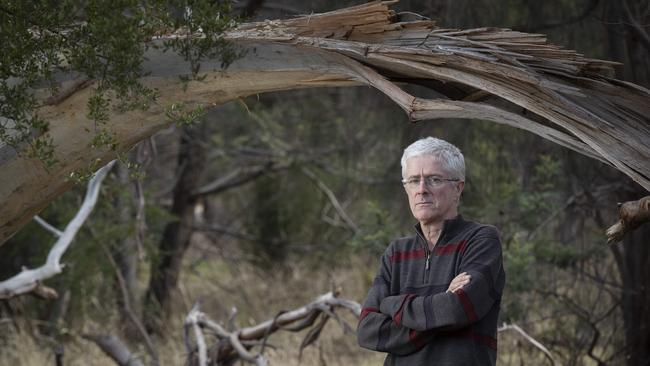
x=288, y=193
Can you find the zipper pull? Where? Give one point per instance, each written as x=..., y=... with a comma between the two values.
x=426, y=266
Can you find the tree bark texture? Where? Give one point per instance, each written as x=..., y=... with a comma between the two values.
x=125, y=254
x=633, y=254
x=631, y=258
x=492, y=74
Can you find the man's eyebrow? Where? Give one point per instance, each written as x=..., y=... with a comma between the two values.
x=426, y=176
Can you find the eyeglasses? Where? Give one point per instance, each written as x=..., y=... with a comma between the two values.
x=429, y=182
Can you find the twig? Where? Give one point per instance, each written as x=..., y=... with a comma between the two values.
x=333, y=200
x=192, y=320
x=238, y=343
x=530, y=339
x=237, y=177
x=631, y=215
x=114, y=348
x=28, y=280
x=636, y=28
x=129, y=311
x=56, y=232
x=66, y=93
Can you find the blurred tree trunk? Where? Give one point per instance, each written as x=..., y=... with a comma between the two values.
x=177, y=234
x=270, y=247
x=632, y=261
x=125, y=254
x=633, y=255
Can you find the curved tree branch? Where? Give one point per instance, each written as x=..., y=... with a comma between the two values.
x=28, y=280
x=530, y=339
x=498, y=75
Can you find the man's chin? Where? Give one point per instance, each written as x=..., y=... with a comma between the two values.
x=426, y=217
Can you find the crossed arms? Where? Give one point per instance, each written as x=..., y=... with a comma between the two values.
x=402, y=324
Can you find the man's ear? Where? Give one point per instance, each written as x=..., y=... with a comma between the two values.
x=460, y=186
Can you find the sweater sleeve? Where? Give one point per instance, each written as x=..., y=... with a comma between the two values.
x=377, y=331
x=483, y=262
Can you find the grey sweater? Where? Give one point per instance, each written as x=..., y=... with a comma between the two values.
x=408, y=313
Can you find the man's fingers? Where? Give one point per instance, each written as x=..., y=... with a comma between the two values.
x=459, y=281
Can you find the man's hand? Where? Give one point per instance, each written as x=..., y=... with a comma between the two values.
x=458, y=282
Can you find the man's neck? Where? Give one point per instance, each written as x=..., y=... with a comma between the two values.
x=432, y=232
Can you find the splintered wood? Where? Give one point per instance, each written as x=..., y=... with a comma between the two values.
x=522, y=80
x=494, y=74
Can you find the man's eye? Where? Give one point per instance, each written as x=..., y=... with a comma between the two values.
x=434, y=181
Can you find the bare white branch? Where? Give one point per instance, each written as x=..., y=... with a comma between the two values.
x=239, y=343
x=333, y=200
x=28, y=280
x=192, y=320
x=530, y=339
x=56, y=232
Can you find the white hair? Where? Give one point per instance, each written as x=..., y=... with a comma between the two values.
x=449, y=155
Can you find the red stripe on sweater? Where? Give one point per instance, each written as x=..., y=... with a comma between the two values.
x=420, y=339
x=467, y=305
x=366, y=311
x=400, y=256
x=451, y=248
x=484, y=339
x=398, y=315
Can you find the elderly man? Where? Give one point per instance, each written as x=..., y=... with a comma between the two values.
x=435, y=299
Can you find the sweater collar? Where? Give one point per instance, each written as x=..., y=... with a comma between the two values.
x=449, y=227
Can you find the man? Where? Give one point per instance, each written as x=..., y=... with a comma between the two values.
x=435, y=300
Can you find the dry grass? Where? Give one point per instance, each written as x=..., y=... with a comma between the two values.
x=219, y=285
x=258, y=295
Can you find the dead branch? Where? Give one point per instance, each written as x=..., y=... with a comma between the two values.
x=64, y=94
x=56, y=232
x=332, y=198
x=633, y=24
x=29, y=280
x=192, y=320
x=530, y=339
x=126, y=302
x=114, y=348
x=239, y=176
x=631, y=215
x=237, y=344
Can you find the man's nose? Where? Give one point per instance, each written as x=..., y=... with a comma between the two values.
x=422, y=187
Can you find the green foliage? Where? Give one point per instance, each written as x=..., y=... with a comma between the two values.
x=104, y=41
x=82, y=176
x=377, y=229
x=518, y=259
x=181, y=114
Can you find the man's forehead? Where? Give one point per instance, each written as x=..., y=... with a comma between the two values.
x=424, y=165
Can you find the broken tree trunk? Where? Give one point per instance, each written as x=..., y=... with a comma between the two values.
x=632, y=214
x=492, y=74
